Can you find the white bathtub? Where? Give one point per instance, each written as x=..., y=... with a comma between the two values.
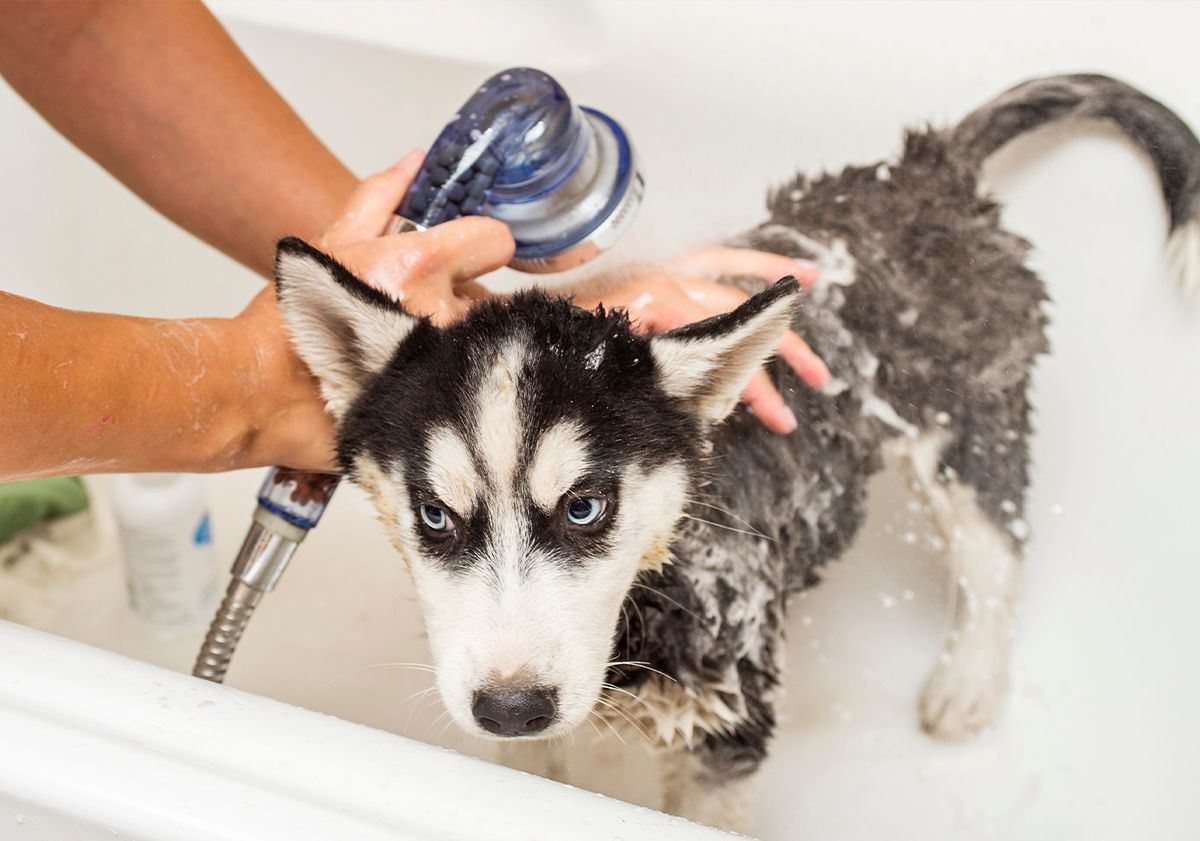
x=1099, y=739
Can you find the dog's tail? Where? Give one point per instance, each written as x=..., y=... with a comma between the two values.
x=1171, y=145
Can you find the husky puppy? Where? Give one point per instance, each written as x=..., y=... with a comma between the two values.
x=594, y=527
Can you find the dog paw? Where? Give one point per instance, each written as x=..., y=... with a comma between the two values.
x=965, y=691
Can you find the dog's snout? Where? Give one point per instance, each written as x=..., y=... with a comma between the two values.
x=515, y=711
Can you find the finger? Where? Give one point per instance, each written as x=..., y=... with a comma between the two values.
x=473, y=291
x=714, y=297
x=768, y=405
x=724, y=261
x=374, y=201
x=662, y=306
x=811, y=368
x=437, y=302
x=463, y=249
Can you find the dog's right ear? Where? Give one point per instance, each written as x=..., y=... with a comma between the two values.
x=343, y=329
x=707, y=364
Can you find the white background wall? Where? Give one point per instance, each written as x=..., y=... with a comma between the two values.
x=723, y=99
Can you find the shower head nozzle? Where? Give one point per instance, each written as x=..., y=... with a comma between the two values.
x=565, y=179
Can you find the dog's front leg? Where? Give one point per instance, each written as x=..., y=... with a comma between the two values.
x=710, y=787
x=544, y=757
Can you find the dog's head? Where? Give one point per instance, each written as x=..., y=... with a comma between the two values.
x=527, y=463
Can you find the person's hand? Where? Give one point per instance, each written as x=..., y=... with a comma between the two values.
x=432, y=272
x=686, y=291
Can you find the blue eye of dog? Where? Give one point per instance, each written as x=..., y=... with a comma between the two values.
x=435, y=519
x=585, y=511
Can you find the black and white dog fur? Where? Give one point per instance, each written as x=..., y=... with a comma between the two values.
x=595, y=528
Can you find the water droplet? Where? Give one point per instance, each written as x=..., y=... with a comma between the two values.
x=1019, y=528
x=943, y=418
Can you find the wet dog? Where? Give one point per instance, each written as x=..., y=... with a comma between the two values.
x=595, y=528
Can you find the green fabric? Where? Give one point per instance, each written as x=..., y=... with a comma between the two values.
x=24, y=504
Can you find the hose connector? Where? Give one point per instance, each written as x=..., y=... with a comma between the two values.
x=290, y=503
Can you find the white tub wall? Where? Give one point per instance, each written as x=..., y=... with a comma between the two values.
x=1098, y=739
x=153, y=755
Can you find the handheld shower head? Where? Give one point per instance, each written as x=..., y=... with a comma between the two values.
x=563, y=178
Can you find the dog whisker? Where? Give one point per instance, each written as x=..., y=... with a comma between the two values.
x=419, y=693
x=607, y=724
x=416, y=699
x=640, y=665
x=442, y=732
x=420, y=667
x=593, y=724
x=610, y=726
x=653, y=709
x=727, y=513
x=632, y=723
x=730, y=528
x=435, y=723
x=663, y=595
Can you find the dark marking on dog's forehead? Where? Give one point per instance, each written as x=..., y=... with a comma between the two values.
x=576, y=365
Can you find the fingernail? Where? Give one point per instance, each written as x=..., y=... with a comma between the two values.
x=805, y=266
x=789, y=420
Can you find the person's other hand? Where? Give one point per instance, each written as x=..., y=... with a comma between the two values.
x=432, y=272
x=686, y=291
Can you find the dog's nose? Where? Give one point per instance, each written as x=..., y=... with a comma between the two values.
x=515, y=711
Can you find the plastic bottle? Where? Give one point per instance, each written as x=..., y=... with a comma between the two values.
x=166, y=542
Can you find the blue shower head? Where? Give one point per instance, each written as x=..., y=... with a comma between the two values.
x=563, y=178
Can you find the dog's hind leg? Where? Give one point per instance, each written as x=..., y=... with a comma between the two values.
x=964, y=692
x=543, y=757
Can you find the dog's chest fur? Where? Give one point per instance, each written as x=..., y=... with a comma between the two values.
x=929, y=322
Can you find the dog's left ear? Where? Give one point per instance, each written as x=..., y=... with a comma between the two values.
x=707, y=364
x=343, y=329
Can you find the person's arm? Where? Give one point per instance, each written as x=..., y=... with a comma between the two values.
x=93, y=393
x=159, y=94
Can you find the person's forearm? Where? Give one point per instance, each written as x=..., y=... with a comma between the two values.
x=159, y=94
x=88, y=393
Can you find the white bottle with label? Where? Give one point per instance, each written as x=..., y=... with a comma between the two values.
x=166, y=541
